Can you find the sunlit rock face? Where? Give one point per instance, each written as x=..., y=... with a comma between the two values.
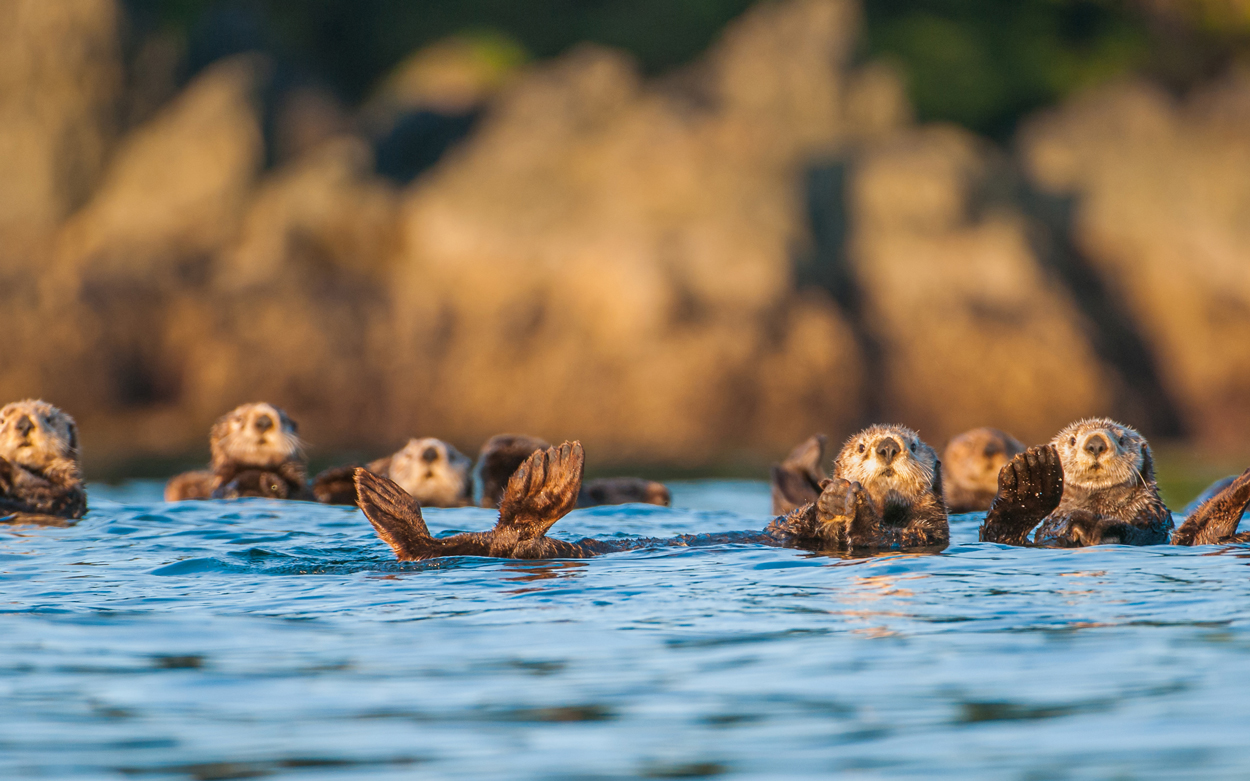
x=623, y=250
x=60, y=88
x=1161, y=198
x=971, y=325
x=726, y=259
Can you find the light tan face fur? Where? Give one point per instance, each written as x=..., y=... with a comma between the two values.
x=432, y=471
x=256, y=435
x=34, y=434
x=974, y=458
x=887, y=459
x=1100, y=453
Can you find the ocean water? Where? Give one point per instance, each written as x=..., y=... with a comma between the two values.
x=259, y=639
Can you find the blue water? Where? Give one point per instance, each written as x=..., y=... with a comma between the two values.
x=258, y=639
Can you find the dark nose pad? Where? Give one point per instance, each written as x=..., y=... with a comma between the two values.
x=429, y=454
x=263, y=423
x=888, y=448
x=24, y=424
x=1096, y=446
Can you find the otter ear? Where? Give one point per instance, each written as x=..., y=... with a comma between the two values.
x=73, y=439
x=937, y=479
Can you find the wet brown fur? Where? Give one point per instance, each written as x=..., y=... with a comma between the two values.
x=623, y=490
x=796, y=480
x=40, y=480
x=499, y=458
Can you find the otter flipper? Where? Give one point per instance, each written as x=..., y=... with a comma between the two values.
x=796, y=481
x=1029, y=489
x=542, y=491
x=396, y=516
x=1216, y=520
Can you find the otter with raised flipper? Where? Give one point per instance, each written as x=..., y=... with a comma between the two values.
x=885, y=495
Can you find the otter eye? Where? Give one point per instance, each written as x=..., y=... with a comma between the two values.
x=861, y=448
x=1072, y=441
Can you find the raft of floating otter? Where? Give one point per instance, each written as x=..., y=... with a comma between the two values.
x=1093, y=484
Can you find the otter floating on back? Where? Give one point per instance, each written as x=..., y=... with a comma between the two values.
x=1095, y=484
x=971, y=462
x=885, y=495
x=40, y=481
x=256, y=451
x=429, y=469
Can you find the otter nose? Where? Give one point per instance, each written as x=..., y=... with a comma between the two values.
x=24, y=424
x=263, y=423
x=888, y=448
x=429, y=454
x=1096, y=445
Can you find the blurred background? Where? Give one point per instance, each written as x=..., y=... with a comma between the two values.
x=688, y=232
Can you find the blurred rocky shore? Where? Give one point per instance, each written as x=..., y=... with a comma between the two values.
x=675, y=270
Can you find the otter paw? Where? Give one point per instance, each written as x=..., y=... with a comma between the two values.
x=838, y=500
x=1032, y=482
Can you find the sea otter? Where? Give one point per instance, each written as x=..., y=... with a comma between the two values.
x=623, y=490
x=503, y=454
x=429, y=469
x=1095, y=484
x=40, y=481
x=971, y=462
x=886, y=494
x=256, y=451
x=796, y=480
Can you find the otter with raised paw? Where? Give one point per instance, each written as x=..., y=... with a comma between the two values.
x=1094, y=484
x=255, y=452
x=796, y=480
x=971, y=462
x=886, y=495
x=429, y=469
x=40, y=480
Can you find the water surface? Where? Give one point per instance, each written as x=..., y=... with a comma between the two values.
x=258, y=639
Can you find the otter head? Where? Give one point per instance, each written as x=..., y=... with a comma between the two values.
x=259, y=436
x=35, y=434
x=432, y=471
x=889, y=461
x=972, y=460
x=1100, y=453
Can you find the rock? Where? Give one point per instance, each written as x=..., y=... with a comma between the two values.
x=1161, y=193
x=60, y=85
x=971, y=327
x=591, y=251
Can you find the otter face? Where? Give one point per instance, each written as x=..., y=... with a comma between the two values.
x=1100, y=453
x=255, y=435
x=974, y=458
x=434, y=472
x=34, y=433
x=886, y=459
